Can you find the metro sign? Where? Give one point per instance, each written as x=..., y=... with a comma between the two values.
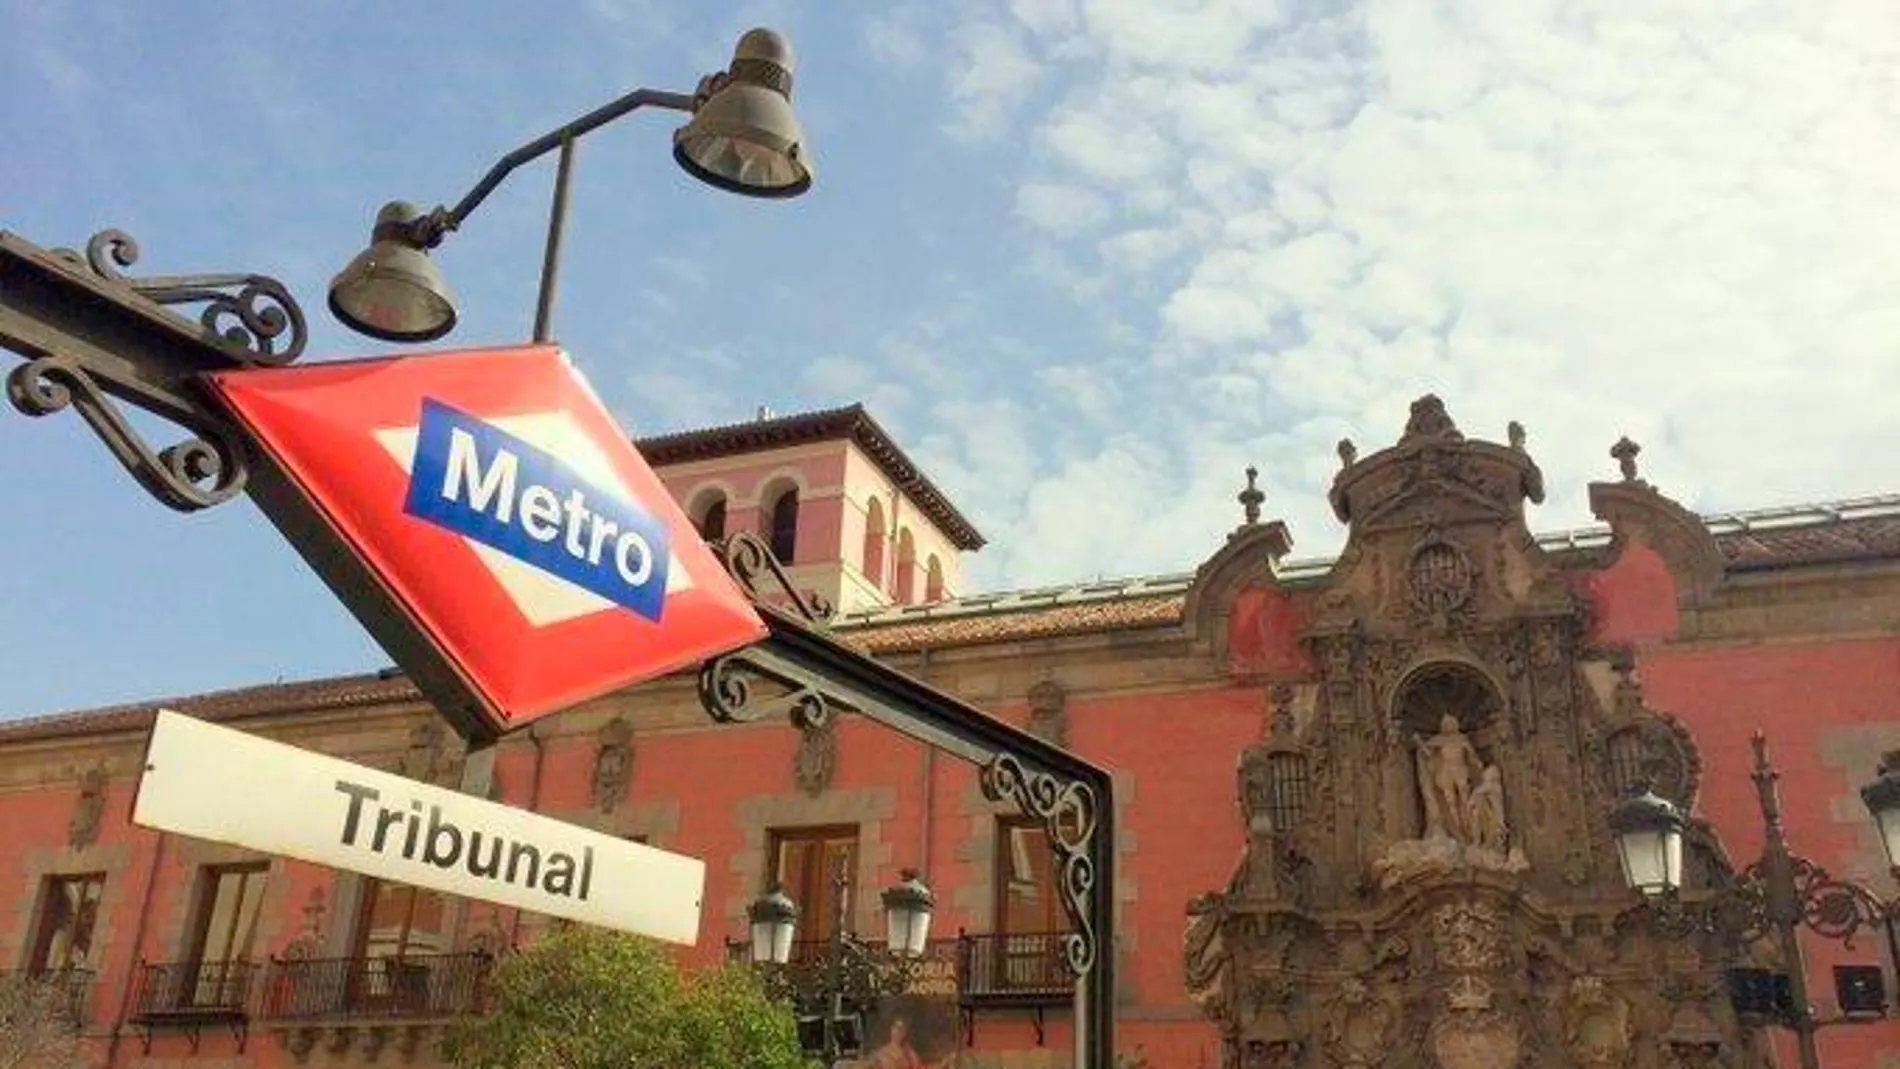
x=489, y=500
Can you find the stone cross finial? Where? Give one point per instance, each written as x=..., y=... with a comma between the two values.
x=1515, y=432
x=1624, y=452
x=1251, y=498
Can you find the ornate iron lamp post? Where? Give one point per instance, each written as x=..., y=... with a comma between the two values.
x=834, y=992
x=1777, y=895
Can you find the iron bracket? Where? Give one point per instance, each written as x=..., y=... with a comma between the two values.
x=94, y=338
x=801, y=670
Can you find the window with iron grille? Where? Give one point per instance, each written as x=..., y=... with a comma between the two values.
x=1629, y=761
x=1286, y=789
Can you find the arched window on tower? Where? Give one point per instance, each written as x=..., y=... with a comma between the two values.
x=874, y=538
x=933, y=579
x=711, y=520
x=906, y=581
x=784, y=534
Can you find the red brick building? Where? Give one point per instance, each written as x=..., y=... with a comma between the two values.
x=1295, y=886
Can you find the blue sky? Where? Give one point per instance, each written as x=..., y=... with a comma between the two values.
x=1085, y=258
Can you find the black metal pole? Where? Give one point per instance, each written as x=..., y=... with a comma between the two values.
x=551, y=257
x=834, y=961
x=1784, y=905
x=552, y=140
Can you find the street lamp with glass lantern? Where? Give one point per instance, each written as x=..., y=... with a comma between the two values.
x=1883, y=801
x=1648, y=830
x=1776, y=896
x=743, y=138
x=850, y=975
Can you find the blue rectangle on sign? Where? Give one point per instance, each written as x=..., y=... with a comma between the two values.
x=481, y=482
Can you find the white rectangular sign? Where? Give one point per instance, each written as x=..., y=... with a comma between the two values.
x=229, y=786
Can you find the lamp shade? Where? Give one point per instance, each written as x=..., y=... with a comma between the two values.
x=1883, y=801
x=744, y=137
x=1648, y=831
x=907, y=909
x=392, y=290
x=774, y=920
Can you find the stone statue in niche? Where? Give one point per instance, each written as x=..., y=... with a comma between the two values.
x=1463, y=801
x=1485, y=820
x=1446, y=762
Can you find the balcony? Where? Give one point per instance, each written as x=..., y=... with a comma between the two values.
x=1013, y=970
x=185, y=996
x=423, y=987
x=70, y=992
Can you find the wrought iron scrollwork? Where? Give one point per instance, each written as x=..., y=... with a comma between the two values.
x=758, y=572
x=1741, y=910
x=1067, y=810
x=247, y=320
x=729, y=692
x=254, y=317
x=196, y=473
x=1832, y=908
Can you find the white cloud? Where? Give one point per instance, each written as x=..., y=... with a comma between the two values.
x=1674, y=221
x=990, y=76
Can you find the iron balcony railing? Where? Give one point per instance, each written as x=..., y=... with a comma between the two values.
x=191, y=988
x=435, y=985
x=71, y=990
x=1003, y=969
x=1013, y=969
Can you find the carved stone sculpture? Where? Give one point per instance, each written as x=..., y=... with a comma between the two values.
x=1485, y=817
x=613, y=764
x=83, y=830
x=1446, y=764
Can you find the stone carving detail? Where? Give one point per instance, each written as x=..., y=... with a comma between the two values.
x=1443, y=892
x=1596, y=1024
x=427, y=757
x=309, y=941
x=613, y=764
x=88, y=811
x=1360, y=1024
x=1048, y=712
x=816, y=761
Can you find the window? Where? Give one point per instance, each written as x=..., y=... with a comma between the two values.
x=1286, y=790
x=785, y=526
x=1029, y=916
x=69, y=909
x=228, y=903
x=806, y=865
x=933, y=579
x=227, y=912
x=874, y=536
x=398, y=921
x=906, y=580
x=712, y=519
x=1629, y=761
x=1026, y=899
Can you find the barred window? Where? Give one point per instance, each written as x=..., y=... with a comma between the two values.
x=1286, y=790
x=1629, y=761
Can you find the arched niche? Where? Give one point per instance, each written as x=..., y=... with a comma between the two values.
x=1433, y=706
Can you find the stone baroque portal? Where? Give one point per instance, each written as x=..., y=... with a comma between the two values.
x=1428, y=880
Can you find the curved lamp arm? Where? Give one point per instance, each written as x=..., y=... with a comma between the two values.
x=428, y=231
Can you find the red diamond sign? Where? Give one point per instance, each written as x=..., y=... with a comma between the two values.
x=497, y=505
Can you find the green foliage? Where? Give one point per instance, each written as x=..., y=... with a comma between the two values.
x=589, y=999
